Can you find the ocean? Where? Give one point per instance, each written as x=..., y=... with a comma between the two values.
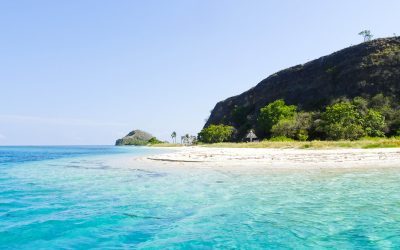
x=95, y=197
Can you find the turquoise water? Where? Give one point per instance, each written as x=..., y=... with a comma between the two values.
x=86, y=198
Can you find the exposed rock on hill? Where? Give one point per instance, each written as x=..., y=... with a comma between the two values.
x=362, y=70
x=136, y=138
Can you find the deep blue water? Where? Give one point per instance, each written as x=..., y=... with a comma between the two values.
x=97, y=198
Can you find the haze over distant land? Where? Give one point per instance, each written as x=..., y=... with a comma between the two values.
x=89, y=72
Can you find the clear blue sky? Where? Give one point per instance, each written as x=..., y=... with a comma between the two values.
x=88, y=72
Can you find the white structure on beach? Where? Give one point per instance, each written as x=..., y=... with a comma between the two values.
x=188, y=140
x=251, y=135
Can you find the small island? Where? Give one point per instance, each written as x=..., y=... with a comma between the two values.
x=137, y=138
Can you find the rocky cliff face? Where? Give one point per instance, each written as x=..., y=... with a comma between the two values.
x=135, y=137
x=361, y=70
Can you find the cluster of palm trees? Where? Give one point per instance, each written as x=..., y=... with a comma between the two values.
x=186, y=139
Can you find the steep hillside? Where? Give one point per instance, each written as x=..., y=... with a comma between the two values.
x=362, y=70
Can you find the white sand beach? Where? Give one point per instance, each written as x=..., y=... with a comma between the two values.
x=277, y=158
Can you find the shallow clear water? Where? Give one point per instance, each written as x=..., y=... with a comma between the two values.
x=85, y=197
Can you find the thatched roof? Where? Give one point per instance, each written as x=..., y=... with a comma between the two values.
x=251, y=134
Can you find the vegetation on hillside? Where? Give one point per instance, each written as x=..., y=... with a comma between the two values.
x=344, y=119
x=364, y=70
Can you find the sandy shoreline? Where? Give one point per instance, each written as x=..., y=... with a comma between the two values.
x=277, y=158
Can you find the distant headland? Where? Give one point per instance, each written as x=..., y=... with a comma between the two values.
x=137, y=138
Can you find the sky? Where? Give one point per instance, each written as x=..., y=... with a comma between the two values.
x=88, y=72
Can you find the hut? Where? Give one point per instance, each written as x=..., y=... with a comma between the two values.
x=251, y=136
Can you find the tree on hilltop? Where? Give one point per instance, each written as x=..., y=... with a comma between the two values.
x=367, y=35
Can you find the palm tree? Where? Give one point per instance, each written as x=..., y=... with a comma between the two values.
x=173, y=136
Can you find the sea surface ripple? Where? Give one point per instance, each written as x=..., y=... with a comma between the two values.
x=85, y=197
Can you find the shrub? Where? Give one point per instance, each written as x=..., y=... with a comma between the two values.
x=374, y=123
x=295, y=128
x=273, y=113
x=302, y=135
x=352, y=120
x=285, y=128
x=381, y=103
x=154, y=140
x=216, y=133
x=389, y=109
x=342, y=121
x=337, y=131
